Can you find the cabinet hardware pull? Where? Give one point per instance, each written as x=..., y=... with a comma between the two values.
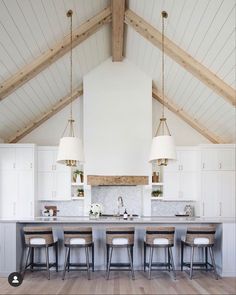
x=203, y=209
x=31, y=165
x=220, y=208
x=220, y=166
x=203, y=165
x=14, y=165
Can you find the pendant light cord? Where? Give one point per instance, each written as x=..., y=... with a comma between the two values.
x=71, y=121
x=164, y=15
x=71, y=66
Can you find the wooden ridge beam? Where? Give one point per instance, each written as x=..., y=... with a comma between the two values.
x=118, y=15
x=181, y=57
x=186, y=117
x=47, y=115
x=29, y=71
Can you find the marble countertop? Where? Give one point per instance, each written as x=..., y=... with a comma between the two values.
x=116, y=220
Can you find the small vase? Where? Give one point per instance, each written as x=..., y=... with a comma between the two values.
x=81, y=178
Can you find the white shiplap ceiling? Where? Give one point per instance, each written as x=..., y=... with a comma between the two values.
x=203, y=28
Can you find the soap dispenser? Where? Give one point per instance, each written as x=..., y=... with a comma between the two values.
x=125, y=216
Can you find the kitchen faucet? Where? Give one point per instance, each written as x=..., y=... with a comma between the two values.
x=120, y=204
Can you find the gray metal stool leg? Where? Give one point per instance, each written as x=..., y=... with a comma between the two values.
x=47, y=261
x=26, y=262
x=206, y=257
x=150, y=263
x=87, y=261
x=32, y=259
x=172, y=261
x=109, y=263
x=213, y=262
x=191, y=263
x=131, y=262
x=65, y=263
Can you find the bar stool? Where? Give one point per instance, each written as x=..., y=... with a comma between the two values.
x=78, y=237
x=120, y=237
x=36, y=238
x=159, y=237
x=199, y=237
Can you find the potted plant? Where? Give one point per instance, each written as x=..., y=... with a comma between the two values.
x=80, y=173
x=80, y=192
x=156, y=193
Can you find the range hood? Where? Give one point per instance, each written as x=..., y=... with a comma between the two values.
x=117, y=120
x=96, y=180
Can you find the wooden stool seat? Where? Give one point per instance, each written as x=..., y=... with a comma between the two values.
x=159, y=237
x=120, y=237
x=78, y=237
x=199, y=237
x=40, y=237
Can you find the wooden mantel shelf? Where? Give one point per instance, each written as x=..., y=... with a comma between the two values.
x=116, y=180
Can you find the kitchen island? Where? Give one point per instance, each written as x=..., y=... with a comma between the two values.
x=12, y=240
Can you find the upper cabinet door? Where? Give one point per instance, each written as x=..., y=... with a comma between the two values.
x=7, y=158
x=46, y=160
x=173, y=165
x=188, y=161
x=24, y=158
x=210, y=160
x=171, y=185
x=226, y=159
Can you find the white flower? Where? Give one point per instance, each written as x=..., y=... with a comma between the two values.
x=95, y=209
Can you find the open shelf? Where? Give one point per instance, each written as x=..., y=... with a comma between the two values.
x=77, y=184
x=77, y=198
x=157, y=183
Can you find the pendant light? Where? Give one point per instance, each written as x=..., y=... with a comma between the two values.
x=70, y=148
x=163, y=147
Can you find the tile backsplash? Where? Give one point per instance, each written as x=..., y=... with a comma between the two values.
x=108, y=195
x=160, y=208
x=66, y=208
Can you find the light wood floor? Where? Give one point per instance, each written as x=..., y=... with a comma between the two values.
x=120, y=283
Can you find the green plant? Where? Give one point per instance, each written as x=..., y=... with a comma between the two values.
x=156, y=193
x=80, y=192
x=79, y=172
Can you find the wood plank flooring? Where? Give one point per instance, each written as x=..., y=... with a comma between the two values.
x=120, y=283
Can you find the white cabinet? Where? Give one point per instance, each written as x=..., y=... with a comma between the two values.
x=17, y=185
x=180, y=176
x=218, y=181
x=213, y=159
x=53, y=179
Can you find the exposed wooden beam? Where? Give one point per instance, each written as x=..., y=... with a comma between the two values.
x=186, y=117
x=181, y=57
x=42, y=62
x=118, y=15
x=47, y=115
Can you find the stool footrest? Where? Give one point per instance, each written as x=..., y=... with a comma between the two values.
x=159, y=264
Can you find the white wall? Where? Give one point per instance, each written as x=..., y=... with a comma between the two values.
x=117, y=119
x=50, y=132
x=183, y=133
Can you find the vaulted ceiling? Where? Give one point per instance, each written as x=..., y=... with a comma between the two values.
x=203, y=29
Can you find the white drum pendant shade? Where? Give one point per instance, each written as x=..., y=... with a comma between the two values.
x=70, y=148
x=163, y=147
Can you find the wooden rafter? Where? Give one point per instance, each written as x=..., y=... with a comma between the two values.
x=186, y=117
x=118, y=14
x=56, y=108
x=181, y=57
x=42, y=62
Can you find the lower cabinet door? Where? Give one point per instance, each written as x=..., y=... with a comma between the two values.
x=8, y=194
x=45, y=185
x=62, y=186
x=171, y=185
x=210, y=194
x=227, y=193
x=25, y=200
